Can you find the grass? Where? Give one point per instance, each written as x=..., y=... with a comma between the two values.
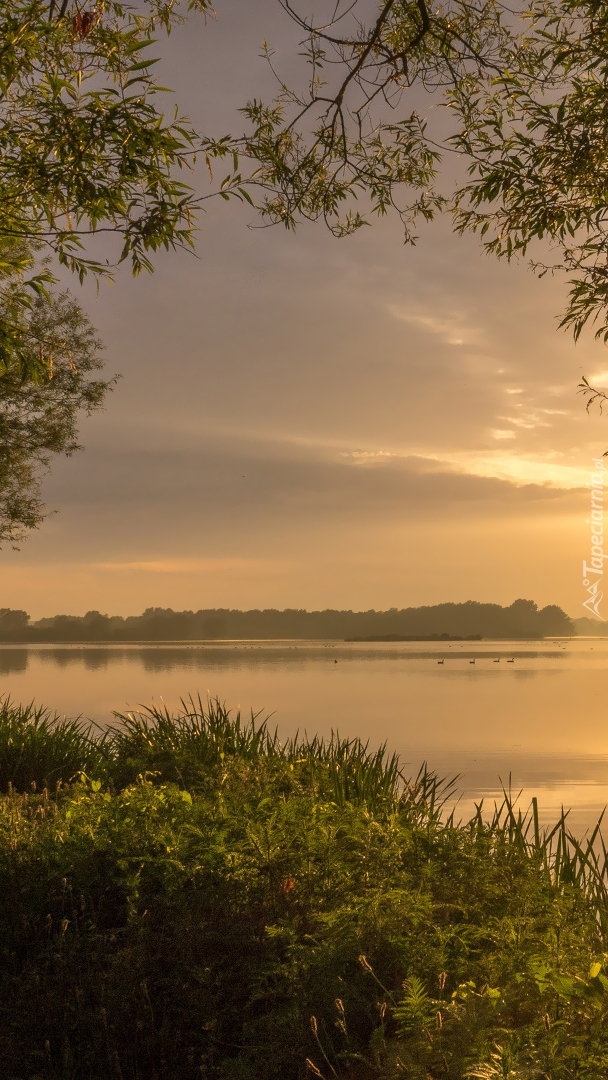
x=193, y=746
x=40, y=749
x=205, y=902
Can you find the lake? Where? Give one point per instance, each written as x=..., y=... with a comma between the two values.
x=542, y=719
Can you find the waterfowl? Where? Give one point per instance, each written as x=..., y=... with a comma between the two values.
x=512, y=661
x=471, y=661
x=440, y=661
x=497, y=661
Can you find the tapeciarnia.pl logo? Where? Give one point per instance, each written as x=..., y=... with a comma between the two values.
x=594, y=571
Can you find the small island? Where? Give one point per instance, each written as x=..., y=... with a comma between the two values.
x=417, y=637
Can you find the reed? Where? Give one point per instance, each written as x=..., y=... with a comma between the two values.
x=38, y=748
x=346, y=770
x=185, y=746
x=565, y=859
x=194, y=743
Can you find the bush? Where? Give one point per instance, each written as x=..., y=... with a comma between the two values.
x=264, y=925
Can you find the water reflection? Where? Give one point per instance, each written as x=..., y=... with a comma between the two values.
x=13, y=662
x=90, y=659
x=534, y=711
x=246, y=655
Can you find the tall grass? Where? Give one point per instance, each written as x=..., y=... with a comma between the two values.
x=567, y=860
x=39, y=749
x=185, y=746
x=201, y=737
x=346, y=771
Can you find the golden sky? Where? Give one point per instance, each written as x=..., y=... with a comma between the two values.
x=311, y=422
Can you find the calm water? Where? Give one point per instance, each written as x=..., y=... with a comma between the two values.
x=543, y=719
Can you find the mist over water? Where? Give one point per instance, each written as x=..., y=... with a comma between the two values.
x=538, y=723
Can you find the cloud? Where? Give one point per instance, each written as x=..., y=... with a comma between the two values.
x=293, y=398
x=362, y=456
x=518, y=469
x=498, y=433
x=196, y=566
x=451, y=328
x=529, y=422
x=598, y=378
x=229, y=508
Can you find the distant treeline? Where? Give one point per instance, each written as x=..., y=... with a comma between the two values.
x=590, y=627
x=521, y=620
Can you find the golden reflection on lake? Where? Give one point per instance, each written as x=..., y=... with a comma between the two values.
x=541, y=718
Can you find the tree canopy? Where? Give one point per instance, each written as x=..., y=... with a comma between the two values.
x=85, y=149
x=39, y=417
x=526, y=94
x=522, y=619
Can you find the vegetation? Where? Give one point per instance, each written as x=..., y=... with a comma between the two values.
x=38, y=748
x=205, y=901
x=522, y=619
x=417, y=637
x=524, y=92
x=590, y=627
x=87, y=149
x=39, y=416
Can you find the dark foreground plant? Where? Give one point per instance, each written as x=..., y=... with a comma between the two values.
x=258, y=923
x=38, y=748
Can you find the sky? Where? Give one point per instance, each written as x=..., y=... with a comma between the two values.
x=310, y=422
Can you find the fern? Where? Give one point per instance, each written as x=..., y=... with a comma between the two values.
x=416, y=1010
